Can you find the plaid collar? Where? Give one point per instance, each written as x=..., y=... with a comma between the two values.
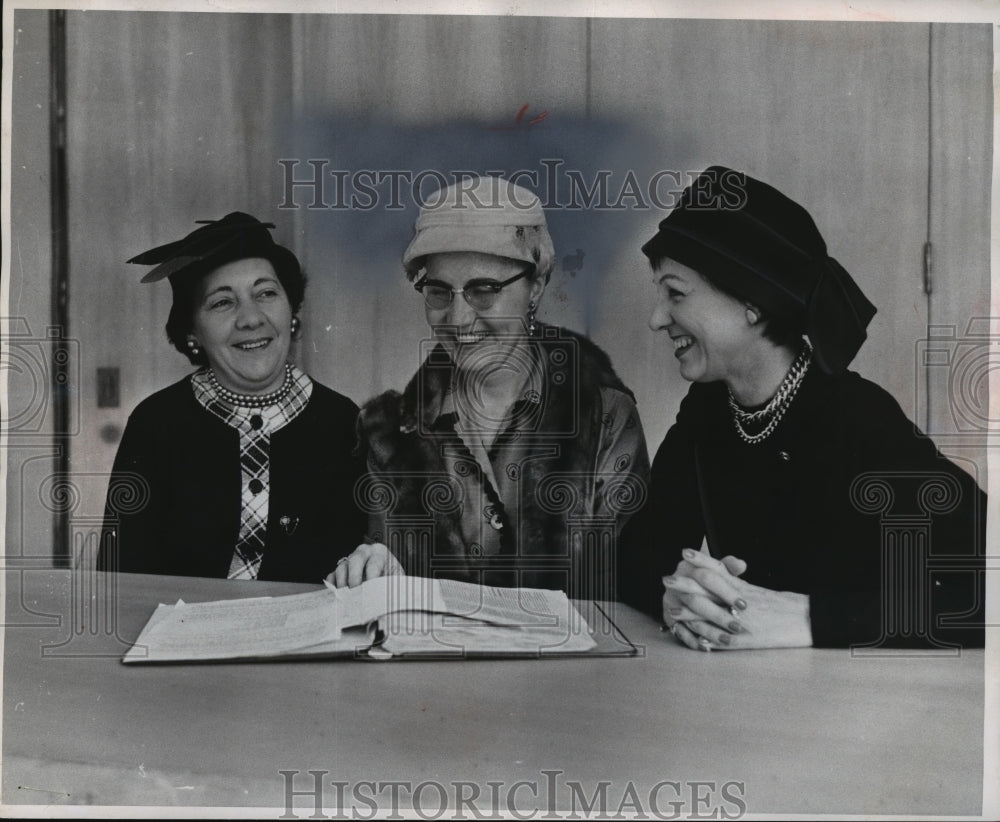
x=274, y=417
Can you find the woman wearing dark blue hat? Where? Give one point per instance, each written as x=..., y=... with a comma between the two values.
x=819, y=501
x=245, y=469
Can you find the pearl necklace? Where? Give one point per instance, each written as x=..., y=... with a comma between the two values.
x=252, y=400
x=779, y=403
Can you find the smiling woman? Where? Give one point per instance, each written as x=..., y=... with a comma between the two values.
x=245, y=468
x=243, y=320
x=789, y=467
x=515, y=454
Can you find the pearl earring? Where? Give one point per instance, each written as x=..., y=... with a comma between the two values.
x=193, y=347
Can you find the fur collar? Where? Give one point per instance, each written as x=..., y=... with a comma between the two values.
x=405, y=436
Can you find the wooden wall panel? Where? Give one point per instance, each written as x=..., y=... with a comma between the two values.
x=411, y=94
x=961, y=156
x=204, y=93
x=834, y=114
x=24, y=354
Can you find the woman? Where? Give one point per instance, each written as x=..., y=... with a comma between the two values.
x=515, y=454
x=806, y=480
x=243, y=469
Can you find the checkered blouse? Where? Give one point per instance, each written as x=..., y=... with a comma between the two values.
x=255, y=427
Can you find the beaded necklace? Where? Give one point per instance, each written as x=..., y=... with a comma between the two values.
x=252, y=400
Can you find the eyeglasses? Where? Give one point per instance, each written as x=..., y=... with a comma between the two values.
x=481, y=294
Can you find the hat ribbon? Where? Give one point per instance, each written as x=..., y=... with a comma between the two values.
x=837, y=315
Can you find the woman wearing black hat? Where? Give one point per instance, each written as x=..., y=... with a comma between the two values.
x=790, y=467
x=243, y=470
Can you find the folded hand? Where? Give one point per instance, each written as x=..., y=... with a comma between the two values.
x=707, y=606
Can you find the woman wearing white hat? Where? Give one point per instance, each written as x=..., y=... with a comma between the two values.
x=515, y=443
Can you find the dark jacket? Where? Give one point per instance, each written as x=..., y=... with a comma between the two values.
x=174, y=499
x=846, y=502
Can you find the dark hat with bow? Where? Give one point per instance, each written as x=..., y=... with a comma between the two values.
x=755, y=242
x=236, y=236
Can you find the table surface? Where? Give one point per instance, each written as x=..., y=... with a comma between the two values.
x=767, y=732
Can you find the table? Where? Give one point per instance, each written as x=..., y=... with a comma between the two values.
x=765, y=732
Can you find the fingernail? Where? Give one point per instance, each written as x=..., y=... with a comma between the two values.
x=736, y=627
x=675, y=611
x=724, y=639
x=687, y=553
x=670, y=582
x=741, y=604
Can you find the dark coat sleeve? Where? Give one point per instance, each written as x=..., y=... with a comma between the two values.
x=313, y=518
x=669, y=521
x=907, y=527
x=884, y=534
x=173, y=504
x=130, y=500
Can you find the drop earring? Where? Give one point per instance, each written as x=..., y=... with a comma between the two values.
x=193, y=348
x=296, y=325
x=531, y=319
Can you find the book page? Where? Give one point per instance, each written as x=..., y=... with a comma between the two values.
x=236, y=628
x=447, y=635
x=368, y=601
x=501, y=606
x=443, y=616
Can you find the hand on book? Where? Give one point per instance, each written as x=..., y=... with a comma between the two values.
x=367, y=561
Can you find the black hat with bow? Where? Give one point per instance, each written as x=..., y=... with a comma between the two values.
x=236, y=236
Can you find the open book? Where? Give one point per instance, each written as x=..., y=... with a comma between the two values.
x=384, y=618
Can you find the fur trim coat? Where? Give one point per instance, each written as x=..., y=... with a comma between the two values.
x=580, y=470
